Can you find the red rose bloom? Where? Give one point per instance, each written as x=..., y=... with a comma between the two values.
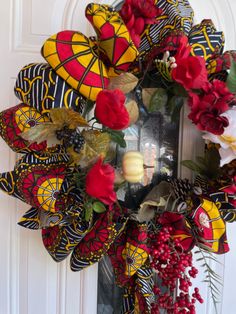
x=100, y=182
x=110, y=109
x=206, y=109
x=208, y=121
x=183, y=49
x=220, y=92
x=190, y=72
x=136, y=14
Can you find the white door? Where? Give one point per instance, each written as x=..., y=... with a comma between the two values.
x=30, y=282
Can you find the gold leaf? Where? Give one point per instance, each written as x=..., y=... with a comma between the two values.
x=147, y=94
x=126, y=82
x=39, y=133
x=133, y=111
x=96, y=144
x=69, y=117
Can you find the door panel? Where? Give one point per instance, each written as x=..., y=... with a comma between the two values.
x=31, y=282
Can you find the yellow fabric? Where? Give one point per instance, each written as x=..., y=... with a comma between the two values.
x=81, y=50
x=135, y=258
x=113, y=36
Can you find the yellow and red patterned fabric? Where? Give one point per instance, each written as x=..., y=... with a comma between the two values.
x=114, y=40
x=211, y=230
x=135, y=252
x=72, y=56
x=60, y=241
x=218, y=64
x=97, y=242
x=17, y=120
x=129, y=253
x=71, y=206
x=138, y=296
x=37, y=180
x=205, y=228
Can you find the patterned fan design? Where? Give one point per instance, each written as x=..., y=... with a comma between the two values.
x=41, y=186
x=211, y=230
x=114, y=40
x=96, y=243
x=135, y=257
x=17, y=120
x=72, y=56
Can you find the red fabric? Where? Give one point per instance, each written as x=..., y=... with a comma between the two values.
x=49, y=235
x=72, y=65
x=180, y=230
x=11, y=133
x=96, y=242
x=39, y=176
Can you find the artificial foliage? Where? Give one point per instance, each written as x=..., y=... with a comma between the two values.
x=146, y=58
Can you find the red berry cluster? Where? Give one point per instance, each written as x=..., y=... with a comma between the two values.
x=174, y=269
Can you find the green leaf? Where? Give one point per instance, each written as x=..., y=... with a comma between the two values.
x=158, y=100
x=179, y=90
x=88, y=211
x=117, y=136
x=212, y=279
x=99, y=207
x=191, y=165
x=207, y=166
x=231, y=79
x=201, y=160
x=214, y=259
x=174, y=105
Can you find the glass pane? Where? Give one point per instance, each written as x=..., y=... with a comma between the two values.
x=109, y=294
x=156, y=136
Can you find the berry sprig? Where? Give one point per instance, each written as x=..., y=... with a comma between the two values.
x=174, y=269
x=71, y=137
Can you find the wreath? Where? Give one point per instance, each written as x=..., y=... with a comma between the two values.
x=147, y=57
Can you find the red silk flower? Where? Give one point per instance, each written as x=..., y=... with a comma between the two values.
x=100, y=182
x=110, y=109
x=206, y=109
x=138, y=13
x=191, y=72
